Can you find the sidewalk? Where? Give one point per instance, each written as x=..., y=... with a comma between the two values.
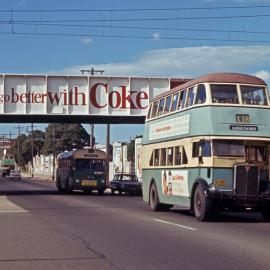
x=37, y=177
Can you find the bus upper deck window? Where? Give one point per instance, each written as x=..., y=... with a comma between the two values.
x=154, y=109
x=167, y=104
x=224, y=93
x=182, y=99
x=201, y=94
x=190, y=98
x=253, y=95
x=174, y=102
x=149, y=112
x=161, y=106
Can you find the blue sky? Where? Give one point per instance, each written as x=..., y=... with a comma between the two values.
x=193, y=38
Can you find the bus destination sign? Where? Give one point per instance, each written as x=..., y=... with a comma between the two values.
x=243, y=128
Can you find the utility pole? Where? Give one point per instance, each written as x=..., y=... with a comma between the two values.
x=32, y=148
x=108, y=150
x=53, y=153
x=91, y=144
x=19, y=127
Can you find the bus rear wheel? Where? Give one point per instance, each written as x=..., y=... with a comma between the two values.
x=266, y=214
x=154, y=202
x=202, y=205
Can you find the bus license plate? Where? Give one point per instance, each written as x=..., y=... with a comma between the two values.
x=89, y=183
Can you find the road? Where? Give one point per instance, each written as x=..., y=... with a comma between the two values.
x=43, y=229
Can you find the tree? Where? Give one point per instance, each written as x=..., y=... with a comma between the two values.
x=64, y=137
x=24, y=154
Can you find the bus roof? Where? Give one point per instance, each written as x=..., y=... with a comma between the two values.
x=83, y=153
x=224, y=77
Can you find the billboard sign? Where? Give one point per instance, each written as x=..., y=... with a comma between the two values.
x=78, y=95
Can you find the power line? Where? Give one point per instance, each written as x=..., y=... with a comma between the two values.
x=149, y=28
x=140, y=19
x=131, y=9
x=135, y=37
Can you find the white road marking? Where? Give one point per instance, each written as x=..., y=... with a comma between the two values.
x=175, y=224
x=6, y=206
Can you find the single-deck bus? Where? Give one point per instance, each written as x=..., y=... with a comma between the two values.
x=206, y=146
x=82, y=169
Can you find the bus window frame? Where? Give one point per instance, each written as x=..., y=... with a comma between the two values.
x=194, y=89
x=149, y=111
x=177, y=100
x=226, y=104
x=156, y=101
x=185, y=99
x=160, y=113
x=169, y=110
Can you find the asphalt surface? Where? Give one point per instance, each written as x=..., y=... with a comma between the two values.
x=43, y=229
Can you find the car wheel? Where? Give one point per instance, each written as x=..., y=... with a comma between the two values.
x=120, y=192
x=112, y=191
x=202, y=205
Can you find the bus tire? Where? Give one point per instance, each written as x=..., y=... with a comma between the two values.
x=266, y=214
x=68, y=189
x=154, y=202
x=100, y=192
x=202, y=205
x=58, y=185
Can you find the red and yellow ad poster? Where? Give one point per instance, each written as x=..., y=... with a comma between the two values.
x=175, y=182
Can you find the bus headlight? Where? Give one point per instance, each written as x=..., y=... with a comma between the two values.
x=103, y=181
x=77, y=181
x=212, y=187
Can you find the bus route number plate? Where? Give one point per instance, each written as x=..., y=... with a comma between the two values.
x=89, y=183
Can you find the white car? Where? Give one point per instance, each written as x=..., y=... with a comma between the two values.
x=15, y=175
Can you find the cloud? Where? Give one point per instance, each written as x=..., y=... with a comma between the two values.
x=86, y=40
x=156, y=36
x=263, y=74
x=186, y=62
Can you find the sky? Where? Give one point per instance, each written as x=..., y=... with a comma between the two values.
x=134, y=38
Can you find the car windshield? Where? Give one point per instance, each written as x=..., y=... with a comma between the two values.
x=90, y=164
x=125, y=177
x=228, y=148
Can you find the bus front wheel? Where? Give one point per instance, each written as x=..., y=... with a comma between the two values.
x=202, y=205
x=154, y=202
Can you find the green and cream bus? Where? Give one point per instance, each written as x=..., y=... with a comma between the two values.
x=82, y=169
x=206, y=146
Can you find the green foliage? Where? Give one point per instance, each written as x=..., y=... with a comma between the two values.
x=62, y=137
x=25, y=145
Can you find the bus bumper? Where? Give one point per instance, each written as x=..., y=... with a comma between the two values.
x=228, y=199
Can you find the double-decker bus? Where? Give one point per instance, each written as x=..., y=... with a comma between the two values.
x=206, y=146
x=82, y=169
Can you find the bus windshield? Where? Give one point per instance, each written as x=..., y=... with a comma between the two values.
x=228, y=148
x=224, y=93
x=253, y=95
x=90, y=164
